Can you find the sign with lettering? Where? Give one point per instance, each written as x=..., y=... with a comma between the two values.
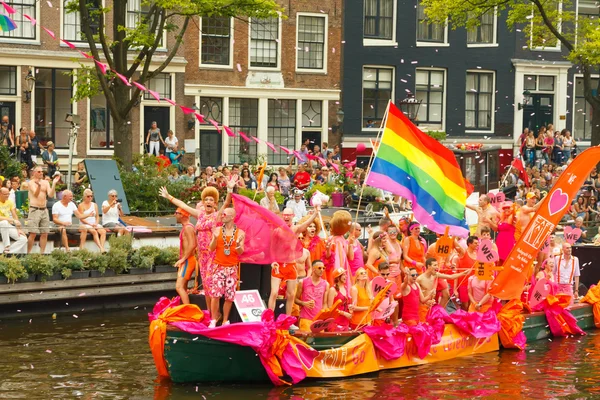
x=322, y=325
x=486, y=252
x=541, y=290
x=249, y=305
x=496, y=199
x=444, y=244
x=485, y=271
x=572, y=234
x=379, y=283
x=387, y=309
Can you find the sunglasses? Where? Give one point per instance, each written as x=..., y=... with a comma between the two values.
x=320, y=268
x=89, y=195
x=385, y=274
x=414, y=275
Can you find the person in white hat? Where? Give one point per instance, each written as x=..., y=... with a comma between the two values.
x=298, y=205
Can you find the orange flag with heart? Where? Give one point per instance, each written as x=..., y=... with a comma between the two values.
x=510, y=281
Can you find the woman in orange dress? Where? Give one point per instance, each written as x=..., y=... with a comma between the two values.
x=414, y=249
x=361, y=299
x=376, y=254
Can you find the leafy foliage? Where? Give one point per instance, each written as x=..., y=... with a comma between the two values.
x=9, y=166
x=167, y=256
x=117, y=260
x=249, y=193
x=40, y=264
x=12, y=269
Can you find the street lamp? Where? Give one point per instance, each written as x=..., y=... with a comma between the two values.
x=526, y=100
x=340, y=116
x=29, y=84
x=410, y=107
x=74, y=120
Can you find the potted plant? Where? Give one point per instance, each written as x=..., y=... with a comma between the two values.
x=98, y=266
x=165, y=260
x=43, y=267
x=142, y=260
x=11, y=270
x=117, y=260
x=76, y=268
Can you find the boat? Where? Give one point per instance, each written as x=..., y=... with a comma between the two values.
x=196, y=358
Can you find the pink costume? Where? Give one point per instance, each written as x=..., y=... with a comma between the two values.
x=394, y=259
x=204, y=227
x=310, y=291
x=358, y=261
x=505, y=240
x=342, y=321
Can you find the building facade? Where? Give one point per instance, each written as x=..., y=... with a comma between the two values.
x=482, y=85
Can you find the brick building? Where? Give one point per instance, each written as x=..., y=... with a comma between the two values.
x=276, y=79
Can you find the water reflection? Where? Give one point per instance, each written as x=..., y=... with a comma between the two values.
x=106, y=356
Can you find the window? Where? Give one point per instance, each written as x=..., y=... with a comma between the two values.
x=243, y=116
x=478, y=103
x=211, y=108
x=311, y=113
x=281, y=128
x=540, y=83
x=53, y=92
x=430, y=90
x=378, y=86
x=25, y=29
x=483, y=33
x=216, y=41
x=379, y=19
x=582, y=111
x=588, y=9
x=8, y=80
x=136, y=11
x=161, y=83
x=72, y=29
x=540, y=36
x=428, y=31
x=311, y=42
x=101, y=124
x=264, y=42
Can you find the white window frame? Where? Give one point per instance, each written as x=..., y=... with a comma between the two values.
x=231, y=44
x=78, y=42
x=493, y=105
x=573, y=106
x=556, y=48
x=370, y=42
x=164, y=38
x=442, y=126
x=445, y=43
x=37, y=40
x=494, y=37
x=279, y=47
x=325, y=44
x=362, y=92
x=89, y=150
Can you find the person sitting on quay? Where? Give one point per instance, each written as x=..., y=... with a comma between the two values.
x=187, y=264
x=62, y=216
x=228, y=244
x=111, y=212
x=311, y=295
x=91, y=223
x=10, y=227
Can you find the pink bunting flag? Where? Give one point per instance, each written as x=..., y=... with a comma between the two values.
x=103, y=67
x=288, y=151
x=199, y=117
x=139, y=86
x=154, y=94
x=187, y=110
x=50, y=32
x=350, y=164
x=122, y=78
x=336, y=168
x=270, y=145
x=8, y=8
x=257, y=140
x=86, y=55
x=171, y=102
x=213, y=123
x=228, y=131
x=243, y=136
x=71, y=45
x=311, y=157
x=322, y=161
x=31, y=19
x=297, y=155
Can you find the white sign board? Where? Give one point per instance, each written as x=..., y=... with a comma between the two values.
x=249, y=305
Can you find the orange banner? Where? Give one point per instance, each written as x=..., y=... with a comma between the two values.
x=509, y=283
x=359, y=356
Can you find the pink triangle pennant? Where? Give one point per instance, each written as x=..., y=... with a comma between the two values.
x=186, y=110
x=213, y=123
x=311, y=157
x=154, y=94
x=350, y=164
x=322, y=161
x=199, y=117
x=297, y=155
x=288, y=151
x=103, y=67
x=139, y=86
x=270, y=145
x=243, y=136
x=122, y=78
x=8, y=8
x=86, y=55
x=257, y=140
x=31, y=19
x=336, y=168
x=228, y=131
x=171, y=102
x=50, y=32
x=71, y=45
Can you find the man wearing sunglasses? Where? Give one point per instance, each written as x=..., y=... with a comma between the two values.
x=311, y=295
x=412, y=297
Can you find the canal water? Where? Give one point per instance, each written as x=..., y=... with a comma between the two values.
x=106, y=356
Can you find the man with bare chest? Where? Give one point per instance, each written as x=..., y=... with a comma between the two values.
x=303, y=264
x=486, y=214
x=525, y=214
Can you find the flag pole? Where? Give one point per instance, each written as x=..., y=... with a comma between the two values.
x=373, y=154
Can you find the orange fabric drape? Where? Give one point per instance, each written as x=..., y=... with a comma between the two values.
x=593, y=297
x=158, y=331
x=511, y=323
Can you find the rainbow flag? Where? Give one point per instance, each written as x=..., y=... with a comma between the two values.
x=7, y=24
x=413, y=165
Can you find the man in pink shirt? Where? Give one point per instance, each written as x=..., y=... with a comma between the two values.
x=311, y=295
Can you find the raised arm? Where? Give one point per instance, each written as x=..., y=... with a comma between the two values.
x=176, y=202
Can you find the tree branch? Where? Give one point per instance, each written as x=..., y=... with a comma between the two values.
x=150, y=50
x=552, y=28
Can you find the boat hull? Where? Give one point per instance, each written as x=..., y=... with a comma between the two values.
x=536, y=326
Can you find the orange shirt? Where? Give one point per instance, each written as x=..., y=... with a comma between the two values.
x=465, y=263
x=415, y=253
x=220, y=257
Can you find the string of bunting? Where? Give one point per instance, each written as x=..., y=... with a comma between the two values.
x=104, y=68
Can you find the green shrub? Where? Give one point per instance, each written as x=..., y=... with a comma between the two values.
x=326, y=188
x=149, y=251
x=100, y=263
x=249, y=193
x=124, y=243
x=66, y=273
x=61, y=257
x=117, y=259
x=167, y=256
x=75, y=264
x=86, y=256
x=12, y=269
x=140, y=260
x=40, y=264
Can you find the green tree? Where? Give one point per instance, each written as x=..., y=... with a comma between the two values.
x=112, y=44
x=547, y=23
